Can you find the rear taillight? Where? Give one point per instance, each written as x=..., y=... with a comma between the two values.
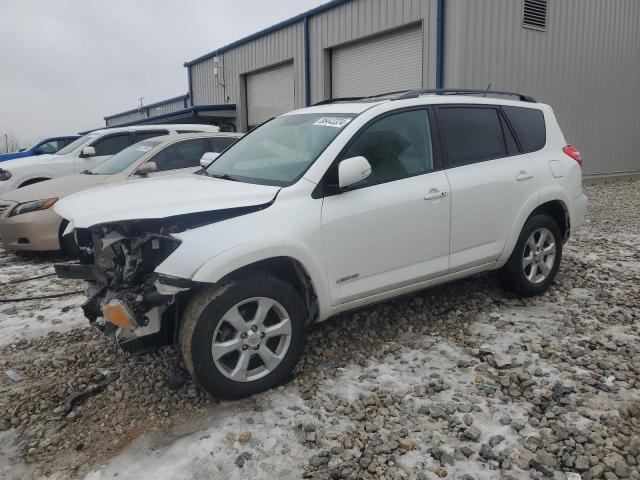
x=573, y=153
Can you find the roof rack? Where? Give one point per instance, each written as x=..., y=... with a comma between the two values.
x=404, y=94
x=463, y=91
x=377, y=97
x=338, y=99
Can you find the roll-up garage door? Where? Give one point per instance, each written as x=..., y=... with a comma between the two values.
x=269, y=93
x=386, y=63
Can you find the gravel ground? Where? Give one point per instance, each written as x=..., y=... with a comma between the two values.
x=462, y=381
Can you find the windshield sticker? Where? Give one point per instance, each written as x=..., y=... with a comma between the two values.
x=336, y=122
x=143, y=148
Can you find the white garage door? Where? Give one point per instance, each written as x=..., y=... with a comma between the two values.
x=269, y=93
x=383, y=64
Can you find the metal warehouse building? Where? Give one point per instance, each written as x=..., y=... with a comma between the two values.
x=580, y=56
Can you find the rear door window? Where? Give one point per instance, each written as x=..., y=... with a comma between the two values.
x=183, y=154
x=112, y=144
x=139, y=136
x=471, y=134
x=529, y=126
x=221, y=143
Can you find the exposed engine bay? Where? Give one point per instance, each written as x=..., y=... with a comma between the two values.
x=126, y=297
x=123, y=297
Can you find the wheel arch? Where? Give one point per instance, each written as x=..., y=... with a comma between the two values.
x=293, y=263
x=31, y=181
x=291, y=271
x=553, y=202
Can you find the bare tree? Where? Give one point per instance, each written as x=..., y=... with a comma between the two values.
x=12, y=143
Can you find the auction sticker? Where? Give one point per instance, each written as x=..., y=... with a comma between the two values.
x=336, y=122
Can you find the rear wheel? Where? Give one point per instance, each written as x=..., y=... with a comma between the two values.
x=244, y=336
x=536, y=257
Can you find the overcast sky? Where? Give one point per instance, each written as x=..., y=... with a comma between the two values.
x=65, y=64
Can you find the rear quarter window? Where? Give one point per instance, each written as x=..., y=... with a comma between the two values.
x=471, y=134
x=529, y=127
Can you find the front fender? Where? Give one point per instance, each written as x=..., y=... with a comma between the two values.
x=32, y=175
x=246, y=254
x=540, y=197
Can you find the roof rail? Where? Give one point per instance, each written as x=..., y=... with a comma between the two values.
x=339, y=99
x=404, y=94
x=376, y=97
x=463, y=91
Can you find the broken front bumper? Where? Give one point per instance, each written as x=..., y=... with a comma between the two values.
x=129, y=309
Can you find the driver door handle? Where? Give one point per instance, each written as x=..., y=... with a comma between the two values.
x=435, y=195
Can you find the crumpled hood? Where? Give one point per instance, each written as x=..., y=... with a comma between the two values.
x=160, y=198
x=55, y=188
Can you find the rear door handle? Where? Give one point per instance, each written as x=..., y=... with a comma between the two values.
x=435, y=195
x=524, y=176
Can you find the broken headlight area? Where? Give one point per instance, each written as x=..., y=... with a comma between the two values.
x=126, y=297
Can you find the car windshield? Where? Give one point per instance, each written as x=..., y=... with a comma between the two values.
x=125, y=158
x=36, y=145
x=78, y=143
x=281, y=150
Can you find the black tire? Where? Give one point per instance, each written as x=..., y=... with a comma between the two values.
x=68, y=244
x=204, y=313
x=512, y=275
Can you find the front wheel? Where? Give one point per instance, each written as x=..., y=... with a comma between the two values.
x=535, y=259
x=243, y=337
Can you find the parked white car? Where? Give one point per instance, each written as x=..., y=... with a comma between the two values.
x=27, y=221
x=323, y=210
x=84, y=154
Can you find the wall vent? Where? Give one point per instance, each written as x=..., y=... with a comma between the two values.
x=534, y=14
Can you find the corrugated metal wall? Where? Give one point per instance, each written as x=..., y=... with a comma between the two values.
x=154, y=109
x=168, y=107
x=278, y=47
x=586, y=66
x=363, y=18
x=125, y=118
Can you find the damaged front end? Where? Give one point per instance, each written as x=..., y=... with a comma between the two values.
x=126, y=297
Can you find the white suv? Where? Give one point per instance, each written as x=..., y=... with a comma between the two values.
x=323, y=210
x=84, y=154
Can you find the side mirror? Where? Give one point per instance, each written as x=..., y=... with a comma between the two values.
x=146, y=168
x=207, y=158
x=352, y=170
x=88, y=152
x=23, y=149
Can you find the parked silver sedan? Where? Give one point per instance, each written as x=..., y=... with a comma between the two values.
x=27, y=221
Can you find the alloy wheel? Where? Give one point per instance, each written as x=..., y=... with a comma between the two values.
x=251, y=339
x=539, y=255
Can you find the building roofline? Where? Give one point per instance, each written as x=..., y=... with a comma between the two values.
x=190, y=111
x=155, y=104
x=278, y=26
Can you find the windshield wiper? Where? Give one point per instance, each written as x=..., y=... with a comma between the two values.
x=223, y=176
x=87, y=172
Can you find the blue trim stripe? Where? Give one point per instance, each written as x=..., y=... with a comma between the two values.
x=440, y=43
x=190, y=94
x=307, y=68
x=187, y=112
x=266, y=31
x=151, y=105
